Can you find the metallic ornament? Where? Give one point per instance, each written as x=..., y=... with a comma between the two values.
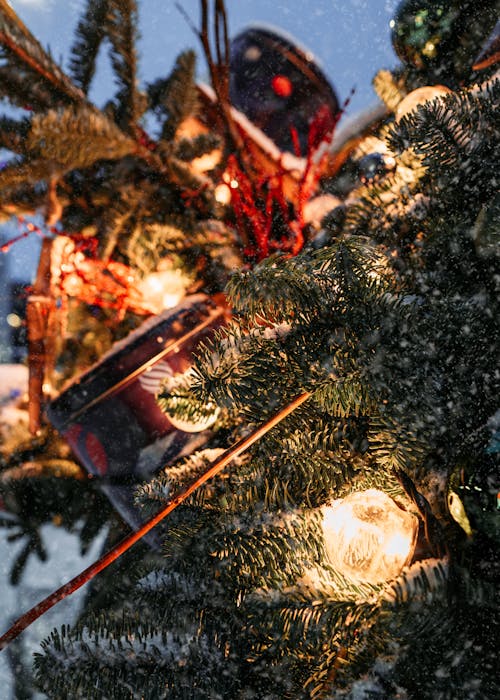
x=368, y=537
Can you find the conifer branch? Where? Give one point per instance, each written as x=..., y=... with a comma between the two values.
x=90, y=33
x=78, y=581
x=76, y=137
x=13, y=134
x=121, y=23
x=22, y=50
x=176, y=97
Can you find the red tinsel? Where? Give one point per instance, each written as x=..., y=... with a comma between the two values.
x=265, y=219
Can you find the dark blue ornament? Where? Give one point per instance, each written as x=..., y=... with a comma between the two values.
x=279, y=87
x=373, y=167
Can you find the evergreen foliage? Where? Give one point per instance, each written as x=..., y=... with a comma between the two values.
x=108, y=178
x=90, y=33
x=388, y=319
x=393, y=327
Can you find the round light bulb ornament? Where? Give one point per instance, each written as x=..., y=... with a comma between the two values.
x=368, y=537
x=198, y=424
x=418, y=97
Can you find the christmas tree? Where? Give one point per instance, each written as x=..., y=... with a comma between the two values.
x=349, y=552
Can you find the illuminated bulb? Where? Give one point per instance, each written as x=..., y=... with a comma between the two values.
x=206, y=162
x=203, y=421
x=163, y=289
x=222, y=194
x=14, y=320
x=368, y=537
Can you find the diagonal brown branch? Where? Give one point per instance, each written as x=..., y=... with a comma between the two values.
x=241, y=446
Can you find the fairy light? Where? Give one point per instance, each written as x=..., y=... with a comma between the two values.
x=222, y=194
x=163, y=289
x=368, y=537
x=14, y=320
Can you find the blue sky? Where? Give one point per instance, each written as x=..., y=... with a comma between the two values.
x=350, y=38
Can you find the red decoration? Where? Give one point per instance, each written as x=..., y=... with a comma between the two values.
x=266, y=219
x=282, y=85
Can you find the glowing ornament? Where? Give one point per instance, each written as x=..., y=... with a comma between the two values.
x=163, y=289
x=223, y=193
x=195, y=425
x=205, y=417
x=418, y=97
x=368, y=537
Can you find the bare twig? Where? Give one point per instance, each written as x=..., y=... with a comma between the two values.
x=37, y=313
x=218, y=66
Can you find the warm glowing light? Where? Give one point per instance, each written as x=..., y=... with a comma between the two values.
x=368, y=537
x=206, y=162
x=429, y=49
x=418, y=97
x=282, y=86
x=222, y=194
x=163, y=289
x=14, y=320
x=195, y=426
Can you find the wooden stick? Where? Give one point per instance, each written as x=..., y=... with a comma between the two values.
x=38, y=308
x=38, y=610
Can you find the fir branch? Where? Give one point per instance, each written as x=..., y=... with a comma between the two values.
x=422, y=583
x=77, y=138
x=176, y=97
x=276, y=288
x=90, y=33
x=189, y=149
x=348, y=395
x=146, y=660
x=444, y=130
x=159, y=489
x=24, y=91
x=121, y=29
x=315, y=628
x=22, y=51
x=390, y=88
x=19, y=172
x=256, y=548
x=393, y=446
x=13, y=133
